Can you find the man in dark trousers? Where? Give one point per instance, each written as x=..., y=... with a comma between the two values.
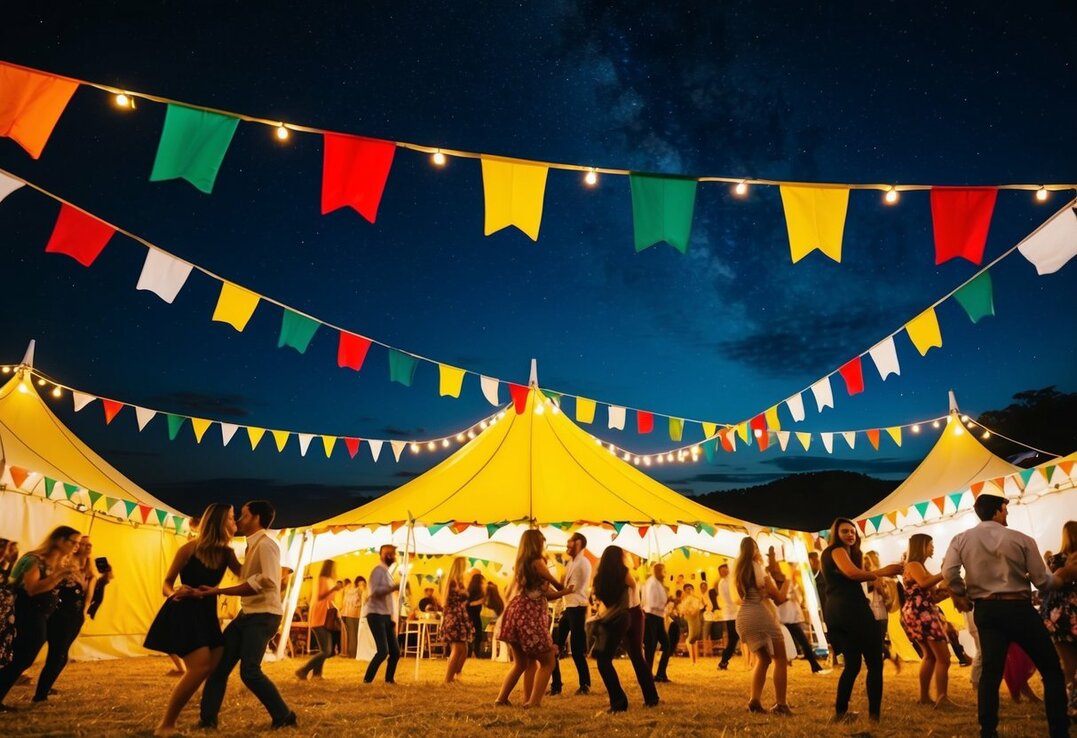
x=574, y=616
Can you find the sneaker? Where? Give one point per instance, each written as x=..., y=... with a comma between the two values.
x=288, y=721
x=823, y=672
x=723, y=666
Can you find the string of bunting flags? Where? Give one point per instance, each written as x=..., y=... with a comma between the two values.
x=195, y=139
x=642, y=528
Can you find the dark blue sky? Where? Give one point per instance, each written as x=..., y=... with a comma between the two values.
x=840, y=92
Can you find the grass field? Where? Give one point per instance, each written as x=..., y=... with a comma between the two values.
x=120, y=698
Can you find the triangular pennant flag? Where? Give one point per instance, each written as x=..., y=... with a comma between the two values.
x=726, y=437
x=491, y=528
x=518, y=392
x=192, y=147
x=796, y=406
x=69, y=490
x=354, y=172
x=31, y=105
x=961, y=218
x=402, y=367
x=1048, y=472
x=450, y=380
x=850, y=438
x=863, y=526
x=49, y=485
x=489, y=389
x=351, y=350
x=398, y=448
x=921, y=507
x=853, y=374
x=895, y=433
x=175, y=422
x=304, y=442
x=644, y=421
x=884, y=354
x=227, y=431
x=513, y=193
x=433, y=529
x=460, y=527
x=281, y=439
x=18, y=475
x=585, y=410
x=235, y=306
x=1053, y=244
x=828, y=442
x=709, y=429
x=163, y=274
x=375, y=448
x=976, y=488
x=162, y=516
x=255, y=436
x=79, y=235
x=296, y=331
x=616, y=417
x=617, y=526
x=876, y=521
x=81, y=399
x=892, y=517
x=759, y=430
x=642, y=530
x=129, y=507
x=110, y=502
x=685, y=552
x=200, y=426
x=662, y=209
x=742, y=431
x=1067, y=467
x=1026, y=476
x=145, y=511
x=111, y=408
x=352, y=444
x=706, y=528
x=783, y=439
x=873, y=438
x=8, y=185
x=554, y=397
x=940, y=504
x=144, y=416
x=327, y=443
x=178, y=522
x=977, y=297
x=676, y=429
x=805, y=440
x=824, y=397
x=924, y=331
x=771, y=417
x=709, y=449
x=956, y=499
x=815, y=218
x=94, y=497
x=471, y=560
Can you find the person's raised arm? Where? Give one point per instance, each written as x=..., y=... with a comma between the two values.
x=916, y=571
x=35, y=584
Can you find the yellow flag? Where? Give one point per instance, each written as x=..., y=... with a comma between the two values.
x=451, y=380
x=742, y=431
x=924, y=331
x=328, y=442
x=815, y=217
x=709, y=429
x=281, y=439
x=255, y=434
x=772, y=419
x=895, y=433
x=585, y=410
x=200, y=426
x=513, y=192
x=805, y=439
x=235, y=306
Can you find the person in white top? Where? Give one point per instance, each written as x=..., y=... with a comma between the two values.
x=729, y=616
x=654, y=621
x=574, y=616
x=246, y=637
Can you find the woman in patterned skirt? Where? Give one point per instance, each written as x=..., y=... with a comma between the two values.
x=758, y=627
x=7, y=602
x=456, y=627
x=1059, y=612
x=923, y=620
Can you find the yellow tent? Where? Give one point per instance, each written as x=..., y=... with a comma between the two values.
x=130, y=527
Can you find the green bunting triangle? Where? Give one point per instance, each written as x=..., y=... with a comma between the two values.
x=471, y=561
x=94, y=497
x=662, y=210
x=433, y=529
x=402, y=367
x=296, y=331
x=1048, y=471
x=617, y=527
x=175, y=422
x=491, y=528
x=554, y=397
x=162, y=516
x=709, y=447
x=921, y=507
x=131, y=507
x=676, y=429
x=178, y=522
x=976, y=297
x=70, y=490
x=110, y=502
x=706, y=528
x=49, y=484
x=192, y=147
x=876, y=521
x=1026, y=476
x=956, y=499
x=686, y=552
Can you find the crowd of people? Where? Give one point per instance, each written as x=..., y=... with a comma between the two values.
x=994, y=574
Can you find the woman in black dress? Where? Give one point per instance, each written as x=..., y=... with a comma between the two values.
x=850, y=624
x=476, y=598
x=188, y=626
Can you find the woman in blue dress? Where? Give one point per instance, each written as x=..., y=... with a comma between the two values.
x=188, y=626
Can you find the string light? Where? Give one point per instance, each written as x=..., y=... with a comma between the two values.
x=431, y=446
x=741, y=190
x=1041, y=194
x=916, y=428
x=124, y=101
x=891, y=196
x=964, y=418
x=460, y=437
x=758, y=433
x=282, y=133
x=936, y=424
x=958, y=430
x=6, y=370
x=471, y=434
x=438, y=158
x=591, y=178
x=444, y=442
x=56, y=392
x=23, y=389
x=539, y=410
x=415, y=448
x=484, y=425
x=41, y=383
x=986, y=435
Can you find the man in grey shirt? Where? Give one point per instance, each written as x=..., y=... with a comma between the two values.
x=1000, y=565
x=379, y=616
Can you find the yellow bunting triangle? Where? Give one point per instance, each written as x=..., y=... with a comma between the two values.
x=924, y=331
x=892, y=517
x=451, y=379
x=742, y=431
x=255, y=434
x=772, y=419
x=815, y=217
x=805, y=439
x=328, y=442
x=280, y=438
x=513, y=192
x=895, y=433
x=235, y=306
x=709, y=429
x=585, y=410
x=200, y=426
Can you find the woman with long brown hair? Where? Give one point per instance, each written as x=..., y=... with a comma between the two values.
x=923, y=620
x=456, y=627
x=476, y=598
x=758, y=626
x=324, y=589
x=187, y=626
x=1059, y=612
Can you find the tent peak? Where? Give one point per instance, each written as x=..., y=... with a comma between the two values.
x=28, y=357
x=953, y=402
x=533, y=381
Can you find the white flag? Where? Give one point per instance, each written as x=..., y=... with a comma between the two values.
x=375, y=448
x=850, y=438
x=398, y=448
x=143, y=416
x=617, y=417
x=489, y=390
x=81, y=399
x=8, y=185
x=163, y=274
x=828, y=442
x=227, y=431
x=304, y=442
x=884, y=354
x=796, y=407
x=823, y=395
x=1053, y=244
x=783, y=438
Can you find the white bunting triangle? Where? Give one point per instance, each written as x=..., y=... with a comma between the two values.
x=163, y=275
x=398, y=448
x=884, y=354
x=304, y=442
x=81, y=399
x=850, y=438
x=1053, y=244
x=489, y=389
x=783, y=438
x=828, y=442
x=824, y=397
x=375, y=448
x=796, y=407
x=227, y=431
x=8, y=185
x=143, y=416
x=617, y=417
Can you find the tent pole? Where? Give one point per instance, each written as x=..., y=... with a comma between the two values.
x=292, y=596
x=409, y=541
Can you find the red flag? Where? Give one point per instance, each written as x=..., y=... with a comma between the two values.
x=853, y=374
x=460, y=527
x=759, y=423
x=643, y=530
x=961, y=218
x=352, y=444
x=351, y=350
x=873, y=437
x=519, y=396
x=18, y=475
x=111, y=408
x=354, y=173
x=396, y=525
x=644, y=421
x=79, y=235
x=145, y=511
x=863, y=526
x=727, y=445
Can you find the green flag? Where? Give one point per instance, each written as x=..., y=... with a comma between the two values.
x=617, y=527
x=876, y=521
x=162, y=515
x=709, y=447
x=178, y=521
x=956, y=499
x=976, y=297
x=296, y=331
x=94, y=497
x=705, y=528
x=435, y=527
x=110, y=502
x=402, y=367
x=686, y=552
x=1026, y=476
x=471, y=561
x=554, y=397
x=491, y=528
x=131, y=507
x=662, y=210
x=192, y=146
x=1047, y=472
x=175, y=422
x=921, y=507
x=49, y=484
x=70, y=490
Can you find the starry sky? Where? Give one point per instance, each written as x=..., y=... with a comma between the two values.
x=846, y=92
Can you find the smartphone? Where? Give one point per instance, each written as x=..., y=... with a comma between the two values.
x=102, y=564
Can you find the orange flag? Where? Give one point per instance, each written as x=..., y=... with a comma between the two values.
x=873, y=437
x=30, y=105
x=940, y=503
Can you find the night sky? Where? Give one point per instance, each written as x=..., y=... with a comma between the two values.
x=842, y=92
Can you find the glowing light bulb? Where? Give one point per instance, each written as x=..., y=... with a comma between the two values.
x=539, y=409
x=6, y=370
x=471, y=434
x=635, y=460
x=460, y=437
x=415, y=448
x=500, y=415
x=958, y=430
x=669, y=457
x=1041, y=194
x=438, y=158
x=964, y=418
x=282, y=133
x=56, y=392
x=41, y=383
x=891, y=196
x=646, y=460
x=431, y=446
x=986, y=435
x=935, y=424
x=916, y=429
x=23, y=389
x=445, y=443
x=741, y=190
x=660, y=459
x=598, y=441
x=441, y=573
x=556, y=409
x=124, y=101
x=591, y=178
x=484, y=425
x=627, y=456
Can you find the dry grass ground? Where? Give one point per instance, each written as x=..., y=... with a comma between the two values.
x=123, y=698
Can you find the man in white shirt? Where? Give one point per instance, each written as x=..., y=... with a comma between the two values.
x=246, y=637
x=729, y=616
x=653, y=602
x=574, y=616
x=379, y=617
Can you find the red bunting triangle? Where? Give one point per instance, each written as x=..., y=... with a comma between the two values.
x=519, y=396
x=644, y=421
x=460, y=527
x=863, y=526
x=940, y=503
x=352, y=444
x=145, y=510
x=79, y=235
x=727, y=445
x=873, y=438
x=759, y=423
x=111, y=407
x=396, y=525
x=643, y=530
x=853, y=375
x=977, y=488
x=961, y=218
x=351, y=351
x=674, y=528
x=18, y=475
x=354, y=173
x=1066, y=467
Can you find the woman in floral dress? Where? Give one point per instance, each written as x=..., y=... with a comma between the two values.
x=1059, y=612
x=456, y=627
x=923, y=621
x=7, y=602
